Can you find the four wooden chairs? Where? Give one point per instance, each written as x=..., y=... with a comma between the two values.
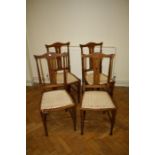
x=97, y=85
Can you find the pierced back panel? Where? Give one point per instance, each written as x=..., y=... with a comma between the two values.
x=97, y=59
x=91, y=48
x=59, y=48
x=51, y=60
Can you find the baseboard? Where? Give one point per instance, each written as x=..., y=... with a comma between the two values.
x=122, y=83
x=29, y=83
x=118, y=83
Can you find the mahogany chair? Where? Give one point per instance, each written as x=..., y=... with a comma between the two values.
x=97, y=96
x=72, y=80
x=54, y=99
x=87, y=76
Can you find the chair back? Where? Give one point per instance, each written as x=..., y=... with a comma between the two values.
x=91, y=49
x=59, y=48
x=52, y=63
x=97, y=61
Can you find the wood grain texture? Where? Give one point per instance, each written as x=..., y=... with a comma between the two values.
x=63, y=140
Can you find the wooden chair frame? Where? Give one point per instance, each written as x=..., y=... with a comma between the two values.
x=91, y=46
x=96, y=60
x=51, y=59
x=57, y=46
x=91, y=49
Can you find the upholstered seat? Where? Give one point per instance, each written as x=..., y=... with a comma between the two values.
x=70, y=78
x=55, y=99
x=97, y=100
x=90, y=78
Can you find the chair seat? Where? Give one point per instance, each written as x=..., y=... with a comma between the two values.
x=97, y=100
x=90, y=78
x=55, y=99
x=70, y=78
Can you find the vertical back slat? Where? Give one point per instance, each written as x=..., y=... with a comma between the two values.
x=53, y=69
x=110, y=67
x=42, y=73
x=67, y=65
x=64, y=70
x=49, y=67
x=84, y=65
x=58, y=51
x=96, y=68
x=40, y=81
x=68, y=57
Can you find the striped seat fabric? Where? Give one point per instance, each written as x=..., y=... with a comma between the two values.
x=55, y=99
x=97, y=100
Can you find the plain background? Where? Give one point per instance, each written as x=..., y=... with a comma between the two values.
x=13, y=77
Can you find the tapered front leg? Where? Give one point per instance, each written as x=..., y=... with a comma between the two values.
x=44, y=116
x=112, y=88
x=113, y=113
x=82, y=121
x=74, y=117
x=72, y=112
x=84, y=115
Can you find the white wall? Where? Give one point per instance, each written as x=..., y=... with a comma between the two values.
x=80, y=21
x=29, y=77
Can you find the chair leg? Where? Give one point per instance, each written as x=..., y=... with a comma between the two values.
x=84, y=115
x=44, y=115
x=82, y=121
x=74, y=117
x=79, y=91
x=68, y=88
x=113, y=113
x=72, y=112
x=111, y=89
